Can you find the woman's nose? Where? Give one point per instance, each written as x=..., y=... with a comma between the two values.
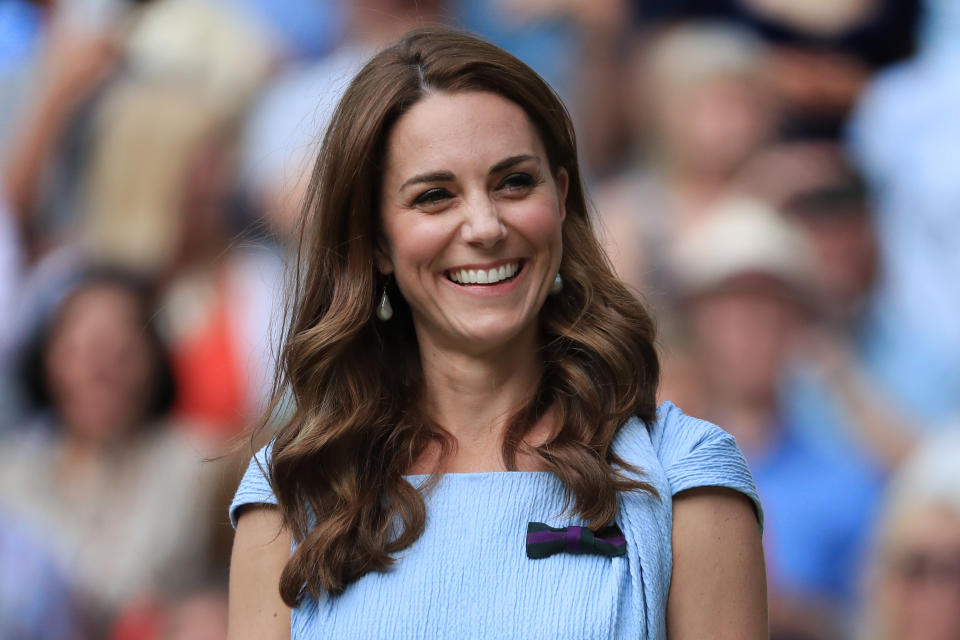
x=483, y=226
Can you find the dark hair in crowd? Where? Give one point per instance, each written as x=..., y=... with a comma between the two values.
x=163, y=390
x=357, y=424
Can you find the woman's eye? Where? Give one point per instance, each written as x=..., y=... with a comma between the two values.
x=432, y=196
x=518, y=182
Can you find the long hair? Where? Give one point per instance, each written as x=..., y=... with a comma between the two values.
x=338, y=462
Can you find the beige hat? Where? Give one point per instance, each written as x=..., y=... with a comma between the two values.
x=741, y=236
x=220, y=52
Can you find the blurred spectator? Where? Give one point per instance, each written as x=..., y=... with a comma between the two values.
x=822, y=51
x=913, y=586
x=904, y=136
x=121, y=494
x=744, y=275
x=832, y=388
x=167, y=214
x=160, y=197
x=705, y=108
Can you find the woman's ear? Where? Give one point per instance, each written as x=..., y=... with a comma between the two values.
x=381, y=255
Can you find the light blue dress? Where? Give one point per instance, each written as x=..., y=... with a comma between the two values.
x=468, y=575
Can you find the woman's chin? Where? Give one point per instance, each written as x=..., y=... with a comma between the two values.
x=492, y=336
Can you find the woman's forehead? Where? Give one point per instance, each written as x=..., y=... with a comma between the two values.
x=463, y=129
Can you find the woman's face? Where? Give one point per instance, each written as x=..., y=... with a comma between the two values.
x=99, y=363
x=471, y=217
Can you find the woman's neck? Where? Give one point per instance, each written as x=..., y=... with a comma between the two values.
x=474, y=395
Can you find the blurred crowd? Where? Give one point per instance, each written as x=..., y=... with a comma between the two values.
x=778, y=181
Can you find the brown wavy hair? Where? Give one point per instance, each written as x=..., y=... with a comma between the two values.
x=356, y=426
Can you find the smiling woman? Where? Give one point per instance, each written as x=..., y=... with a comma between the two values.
x=437, y=456
x=448, y=233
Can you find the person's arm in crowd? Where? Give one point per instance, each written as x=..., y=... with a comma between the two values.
x=73, y=63
x=874, y=420
x=261, y=549
x=718, y=589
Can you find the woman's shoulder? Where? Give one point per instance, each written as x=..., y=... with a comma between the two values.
x=689, y=452
x=672, y=435
x=255, y=487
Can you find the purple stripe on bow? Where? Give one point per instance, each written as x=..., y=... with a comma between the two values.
x=538, y=537
x=573, y=539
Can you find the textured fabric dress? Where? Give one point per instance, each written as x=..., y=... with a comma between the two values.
x=468, y=575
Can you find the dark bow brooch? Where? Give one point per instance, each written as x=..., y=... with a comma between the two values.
x=544, y=541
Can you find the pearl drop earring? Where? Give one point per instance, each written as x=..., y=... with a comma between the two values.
x=556, y=285
x=384, y=310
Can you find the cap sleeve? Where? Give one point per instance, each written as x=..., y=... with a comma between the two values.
x=697, y=453
x=255, y=486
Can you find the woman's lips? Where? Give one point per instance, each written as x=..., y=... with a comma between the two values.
x=494, y=275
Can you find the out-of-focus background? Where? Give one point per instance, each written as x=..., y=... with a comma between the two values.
x=778, y=180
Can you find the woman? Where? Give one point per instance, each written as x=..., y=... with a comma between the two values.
x=467, y=372
x=122, y=496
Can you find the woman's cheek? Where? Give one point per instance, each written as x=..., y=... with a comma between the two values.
x=418, y=243
x=539, y=220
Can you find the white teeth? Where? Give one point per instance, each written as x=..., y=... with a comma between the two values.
x=473, y=276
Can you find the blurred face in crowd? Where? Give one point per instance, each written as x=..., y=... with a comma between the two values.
x=919, y=587
x=472, y=217
x=715, y=126
x=99, y=363
x=846, y=253
x=742, y=331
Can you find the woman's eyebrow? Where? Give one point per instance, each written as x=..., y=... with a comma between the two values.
x=511, y=162
x=433, y=176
